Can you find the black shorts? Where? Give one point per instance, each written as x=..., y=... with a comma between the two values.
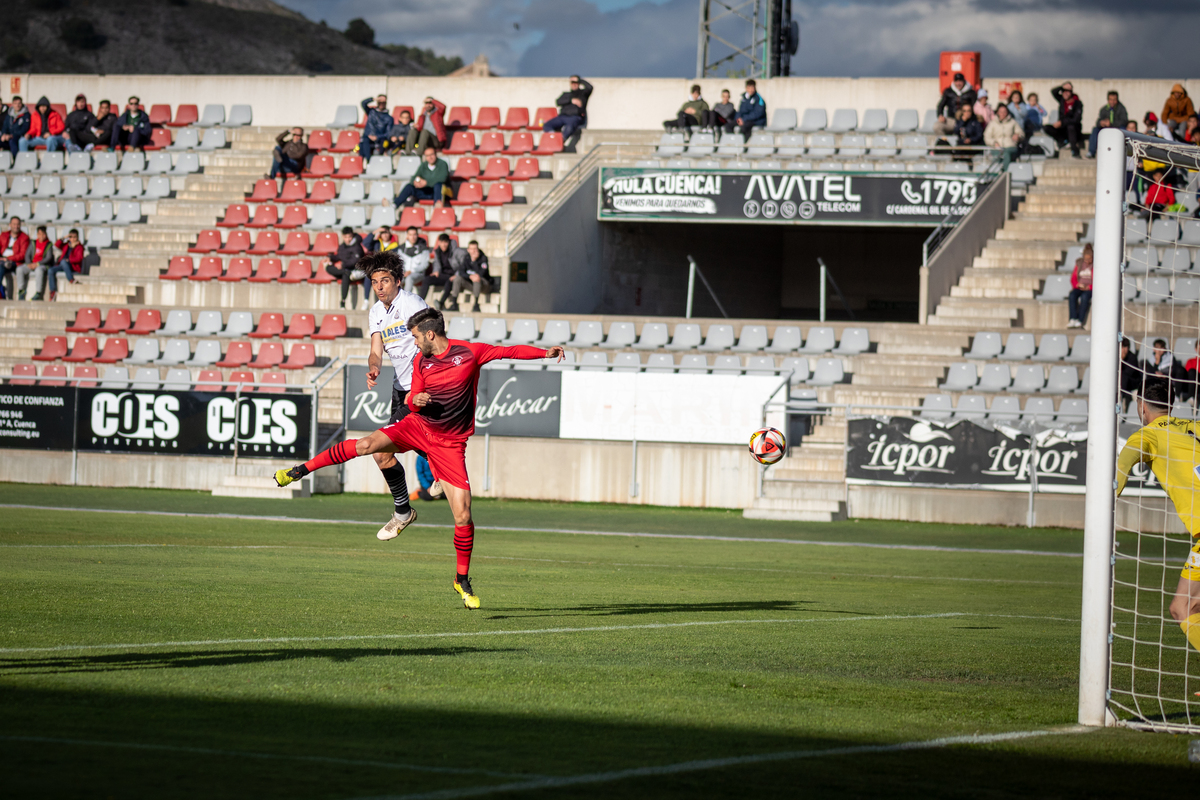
x=400, y=409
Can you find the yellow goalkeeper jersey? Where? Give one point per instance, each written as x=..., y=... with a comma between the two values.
x=1173, y=452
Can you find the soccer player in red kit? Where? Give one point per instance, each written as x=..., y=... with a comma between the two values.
x=444, y=380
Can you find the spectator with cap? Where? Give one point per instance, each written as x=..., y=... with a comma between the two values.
x=958, y=94
x=343, y=265
x=430, y=182
x=720, y=116
x=133, y=126
x=291, y=154
x=752, y=109
x=1112, y=115
x=1004, y=133
x=983, y=112
x=1069, y=126
x=1177, y=109
x=46, y=128
x=378, y=127
x=15, y=125
x=429, y=130
x=14, y=242
x=572, y=108
x=690, y=113
x=1079, y=301
x=80, y=121
x=39, y=258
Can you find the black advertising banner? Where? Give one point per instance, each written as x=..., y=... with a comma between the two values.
x=367, y=409
x=783, y=196
x=37, y=417
x=260, y=425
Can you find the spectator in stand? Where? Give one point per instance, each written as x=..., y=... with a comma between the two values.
x=398, y=135
x=1131, y=373
x=133, y=127
x=1112, y=115
x=1019, y=110
x=430, y=182
x=378, y=128
x=752, y=109
x=1156, y=127
x=72, y=261
x=572, y=109
x=79, y=124
x=958, y=94
x=474, y=276
x=429, y=130
x=100, y=133
x=39, y=259
x=970, y=134
x=415, y=256
x=720, y=116
x=1069, y=126
x=1177, y=109
x=1079, y=301
x=380, y=240
x=1004, y=133
x=1159, y=196
x=1131, y=160
x=983, y=112
x=442, y=268
x=16, y=124
x=13, y=244
x=46, y=128
x=1037, y=112
x=343, y=265
x=1191, y=133
x=690, y=113
x=1160, y=360
x=291, y=154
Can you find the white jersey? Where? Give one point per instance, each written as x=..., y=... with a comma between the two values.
x=391, y=322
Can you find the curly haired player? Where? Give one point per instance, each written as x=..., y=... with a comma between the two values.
x=443, y=395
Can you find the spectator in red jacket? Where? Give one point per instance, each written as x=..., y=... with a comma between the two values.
x=72, y=261
x=429, y=130
x=1079, y=301
x=1159, y=195
x=13, y=244
x=46, y=128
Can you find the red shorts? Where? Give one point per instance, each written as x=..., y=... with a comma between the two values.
x=447, y=457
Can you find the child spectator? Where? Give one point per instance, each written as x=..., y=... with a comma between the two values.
x=1037, y=112
x=46, y=128
x=1159, y=196
x=72, y=261
x=1191, y=134
x=1177, y=109
x=1156, y=127
x=1020, y=111
x=398, y=135
x=752, y=109
x=689, y=113
x=1079, y=301
x=1160, y=360
x=981, y=108
x=720, y=116
x=39, y=258
x=970, y=134
x=16, y=124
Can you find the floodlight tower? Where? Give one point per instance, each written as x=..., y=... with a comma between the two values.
x=760, y=31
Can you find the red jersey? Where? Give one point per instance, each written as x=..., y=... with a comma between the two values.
x=451, y=380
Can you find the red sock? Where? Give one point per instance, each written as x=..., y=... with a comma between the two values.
x=464, y=540
x=338, y=454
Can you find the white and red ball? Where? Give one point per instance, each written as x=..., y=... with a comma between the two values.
x=767, y=446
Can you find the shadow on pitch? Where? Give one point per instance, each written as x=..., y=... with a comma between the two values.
x=189, y=659
x=634, y=609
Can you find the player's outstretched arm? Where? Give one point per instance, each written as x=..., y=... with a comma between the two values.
x=521, y=352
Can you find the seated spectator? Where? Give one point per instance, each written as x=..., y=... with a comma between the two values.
x=1131, y=161
x=1037, y=112
x=970, y=134
x=752, y=109
x=442, y=268
x=983, y=112
x=14, y=242
x=1019, y=110
x=1079, y=301
x=429, y=130
x=572, y=109
x=689, y=113
x=415, y=256
x=473, y=276
x=343, y=265
x=39, y=259
x=1069, y=125
x=1131, y=373
x=1004, y=133
x=1156, y=127
x=398, y=135
x=291, y=154
x=379, y=240
x=72, y=253
x=1112, y=115
x=720, y=116
x=132, y=127
x=79, y=124
x=46, y=128
x=1191, y=134
x=100, y=134
x=1159, y=196
x=16, y=124
x=377, y=129
x=1159, y=360
x=1177, y=109
x=431, y=182
x=958, y=94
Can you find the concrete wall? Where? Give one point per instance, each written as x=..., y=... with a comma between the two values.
x=618, y=103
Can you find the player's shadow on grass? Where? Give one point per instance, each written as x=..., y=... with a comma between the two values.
x=628, y=609
x=188, y=659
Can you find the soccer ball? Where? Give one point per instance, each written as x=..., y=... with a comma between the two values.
x=767, y=446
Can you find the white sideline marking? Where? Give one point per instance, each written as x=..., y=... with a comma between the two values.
x=718, y=763
x=273, y=756
x=529, y=632
x=761, y=540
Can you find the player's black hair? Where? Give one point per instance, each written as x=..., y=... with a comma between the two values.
x=383, y=261
x=1157, y=393
x=426, y=320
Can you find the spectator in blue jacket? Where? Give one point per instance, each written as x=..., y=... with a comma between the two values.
x=752, y=110
x=15, y=126
x=133, y=126
x=378, y=126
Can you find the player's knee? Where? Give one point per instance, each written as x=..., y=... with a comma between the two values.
x=1180, y=609
x=384, y=460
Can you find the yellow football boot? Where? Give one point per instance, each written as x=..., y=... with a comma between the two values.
x=463, y=587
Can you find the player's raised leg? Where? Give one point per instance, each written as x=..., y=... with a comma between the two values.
x=464, y=542
x=1185, y=608
x=340, y=453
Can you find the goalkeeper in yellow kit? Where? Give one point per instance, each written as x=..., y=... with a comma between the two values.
x=1171, y=448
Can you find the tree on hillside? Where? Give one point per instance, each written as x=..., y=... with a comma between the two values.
x=359, y=32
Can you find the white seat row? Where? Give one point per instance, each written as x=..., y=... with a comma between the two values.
x=826, y=372
x=1162, y=231
x=127, y=187
x=97, y=212
x=846, y=119
x=986, y=345
x=1024, y=379
x=792, y=145
x=1157, y=289
x=1071, y=411
x=842, y=166
x=369, y=217
x=157, y=162
x=208, y=323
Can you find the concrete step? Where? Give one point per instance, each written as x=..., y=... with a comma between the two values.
x=264, y=488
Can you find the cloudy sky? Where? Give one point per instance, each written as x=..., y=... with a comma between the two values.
x=657, y=38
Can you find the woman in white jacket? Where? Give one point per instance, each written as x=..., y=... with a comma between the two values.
x=1004, y=133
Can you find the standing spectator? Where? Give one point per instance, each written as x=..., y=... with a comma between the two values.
x=970, y=134
x=13, y=244
x=133, y=126
x=79, y=124
x=1018, y=109
x=473, y=275
x=378, y=127
x=1004, y=133
x=572, y=108
x=343, y=265
x=690, y=113
x=39, y=257
x=1112, y=115
x=16, y=124
x=429, y=130
x=46, y=128
x=442, y=268
x=983, y=112
x=415, y=256
x=1069, y=125
x=1156, y=127
x=958, y=94
x=72, y=261
x=1079, y=301
x=291, y=154
x=398, y=135
x=1177, y=109
x=720, y=116
x=752, y=109
x=429, y=183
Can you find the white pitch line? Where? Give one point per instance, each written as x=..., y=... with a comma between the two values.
x=719, y=763
x=746, y=539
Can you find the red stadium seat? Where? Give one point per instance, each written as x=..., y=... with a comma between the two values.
x=458, y=117
x=180, y=267
x=236, y=215
x=269, y=324
x=515, y=119
x=240, y=376
x=461, y=143
x=320, y=275
x=550, y=144
x=239, y=269
x=117, y=321
x=490, y=143
x=333, y=326
x=322, y=192
x=210, y=268
x=349, y=167
x=185, y=115
x=29, y=371
x=160, y=114
x=54, y=371
x=269, y=269
x=264, y=191
x=442, y=219
x=278, y=381
x=149, y=320
x=300, y=356
x=206, y=242
x=115, y=349
x=321, y=167
x=299, y=269
x=409, y=217
x=209, y=381
x=293, y=217
x=466, y=168
x=397, y=109
x=302, y=325
x=238, y=242
x=346, y=142
x=87, y=319
x=526, y=169
x=61, y=108
x=500, y=194
x=297, y=244
x=159, y=138
x=85, y=349
x=238, y=354
x=320, y=140
x=265, y=216
x=270, y=354
x=488, y=117
x=520, y=144
x=543, y=115
x=265, y=243
x=294, y=191
x=80, y=377
x=468, y=194
x=497, y=169
x=325, y=245
x=472, y=220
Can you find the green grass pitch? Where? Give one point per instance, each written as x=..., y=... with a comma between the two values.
x=164, y=655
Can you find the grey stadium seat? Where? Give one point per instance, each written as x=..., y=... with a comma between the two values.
x=874, y=120
x=1191, y=232
x=589, y=333
x=791, y=145
x=1052, y=347
x=882, y=145
x=321, y=218
x=797, y=367
x=1073, y=411
x=78, y=162
x=158, y=188
x=101, y=213
x=905, y=120
x=827, y=372
x=820, y=340
x=158, y=163
x=177, y=380
x=760, y=365
x=1175, y=259
x=21, y=186
x=352, y=192
x=380, y=190
x=678, y=163
x=936, y=406
x=727, y=365
x=718, y=337
x=493, y=330
x=145, y=351
x=178, y=321
x=212, y=115
x=44, y=211
x=660, y=362
x=821, y=145
x=654, y=335
x=1039, y=410
x=620, y=334
x=786, y=340
x=52, y=161
x=1187, y=291
x=670, y=144
x=406, y=167
x=693, y=364
x=240, y=324
x=524, y=331
x=176, y=351
x=1056, y=289
x=240, y=115
x=1135, y=231
x=568, y=363
x=760, y=145
x=971, y=407
x=355, y=216
x=985, y=345
x=185, y=139
x=208, y=323
x=1005, y=409
x=186, y=164
x=128, y=213
x=844, y=119
x=854, y=341
x=686, y=336
x=752, y=339
x=853, y=146
x=344, y=117
x=1142, y=260
x=1164, y=231
x=1081, y=349
x=701, y=144
x=25, y=162
x=814, y=120
x=1155, y=290
x=114, y=378
x=732, y=145
x=1022, y=172
x=461, y=328
x=99, y=238
x=556, y=331
x=1062, y=380
x=784, y=119
x=133, y=162
x=73, y=211
x=1019, y=347
x=914, y=146
x=1028, y=379
x=995, y=378
x=214, y=139
x=960, y=377
x=379, y=166
x=130, y=188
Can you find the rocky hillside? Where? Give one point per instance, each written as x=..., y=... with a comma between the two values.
x=255, y=37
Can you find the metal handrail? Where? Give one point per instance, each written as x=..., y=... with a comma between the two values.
x=542, y=210
x=934, y=240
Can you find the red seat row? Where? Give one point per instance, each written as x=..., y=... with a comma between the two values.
x=468, y=168
x=492, y=143
x=266, y=215
x=299, y=270
x=185, y=114
x=324, y=191
x=322, y=140
x=116, y=349
x=149, y=321
x=488, y=117
x=323, y=167
x=210, y=380
x=266, y=243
